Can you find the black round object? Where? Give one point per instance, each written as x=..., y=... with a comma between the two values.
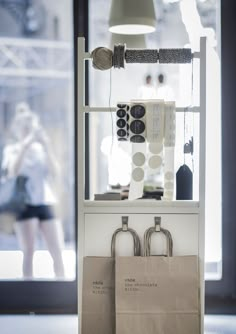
x=127, y=117
x=122, y=139
x=137, y=111
x=121, y=133
x=137, y=127
x=121, y=106
x=121, y=123
x=121, y=113
x=137, y=139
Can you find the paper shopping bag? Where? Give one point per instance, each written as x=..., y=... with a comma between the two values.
x=98, y=305
x=98, y=299
x=157, y=294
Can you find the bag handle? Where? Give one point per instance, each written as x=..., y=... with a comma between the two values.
x=125, y=228
x=157, y=229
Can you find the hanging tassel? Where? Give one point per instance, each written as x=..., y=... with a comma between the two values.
x=184, y=183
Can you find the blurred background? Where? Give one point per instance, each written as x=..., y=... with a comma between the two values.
x=36, y=67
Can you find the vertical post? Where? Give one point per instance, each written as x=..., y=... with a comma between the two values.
x=81, y=166
x=202, y=173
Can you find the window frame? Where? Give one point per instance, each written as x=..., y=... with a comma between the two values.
x=51, y=297
x=221, y=295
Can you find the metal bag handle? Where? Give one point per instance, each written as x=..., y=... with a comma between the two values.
x=125, y=228
x=157, y=229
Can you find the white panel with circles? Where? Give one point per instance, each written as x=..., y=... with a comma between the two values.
x=122, y=121
x=150, y=125
x=137, y=123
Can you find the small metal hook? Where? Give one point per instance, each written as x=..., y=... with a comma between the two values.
x=124, y=223
x=157, y=224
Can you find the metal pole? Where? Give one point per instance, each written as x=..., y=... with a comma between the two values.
x=81, y=167
x=202, y=173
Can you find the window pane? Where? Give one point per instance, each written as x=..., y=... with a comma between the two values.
x=37, y=229
x=179, y=24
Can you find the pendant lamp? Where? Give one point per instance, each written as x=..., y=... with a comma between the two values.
x=132, y=17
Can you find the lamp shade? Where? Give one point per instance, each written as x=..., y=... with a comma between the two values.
x=132, y=17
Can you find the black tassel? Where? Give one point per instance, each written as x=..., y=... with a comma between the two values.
x=184, y=183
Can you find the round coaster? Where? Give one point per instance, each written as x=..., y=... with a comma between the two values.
x=155, y=161
x=138, y=174
x=121, y=123
x=137, y=127
x=138, y=159
x=155, y=148
x=137, y=139
x=168, y=194
x=169, y=175
x=169, y=185
x=121, y=133
x=121, y=113
x=137, y=111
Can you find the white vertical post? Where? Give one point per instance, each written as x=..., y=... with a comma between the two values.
x=81, y=166
x=202, y=173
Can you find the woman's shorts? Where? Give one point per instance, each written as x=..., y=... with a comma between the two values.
x=41, y=212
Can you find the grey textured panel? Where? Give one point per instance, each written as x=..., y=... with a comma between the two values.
x=176, y=56
x=118, y=56
x=141, y=56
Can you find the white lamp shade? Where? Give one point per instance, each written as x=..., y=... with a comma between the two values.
x=132, y=17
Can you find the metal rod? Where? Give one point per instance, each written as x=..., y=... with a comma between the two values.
x=80, y=158
x=88, y=56
x=87, y=109
x=202, y=168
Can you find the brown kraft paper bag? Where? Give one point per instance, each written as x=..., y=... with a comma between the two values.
x=157, y=294
x=98, y=296
x=98, y=303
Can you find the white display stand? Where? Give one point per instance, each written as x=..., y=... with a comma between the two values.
x=97, y=220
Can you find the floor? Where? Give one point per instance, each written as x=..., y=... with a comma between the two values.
x=64, y=324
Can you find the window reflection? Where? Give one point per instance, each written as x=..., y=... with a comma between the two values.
x=36, y=75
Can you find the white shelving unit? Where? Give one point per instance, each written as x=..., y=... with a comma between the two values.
x=97, y=220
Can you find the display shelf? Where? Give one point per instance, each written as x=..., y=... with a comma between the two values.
x=98, y=219
x=141, y=206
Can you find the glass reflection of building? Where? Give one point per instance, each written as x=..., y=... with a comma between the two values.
x=36, y=66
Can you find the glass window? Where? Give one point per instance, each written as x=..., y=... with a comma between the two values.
x=37, y=228
x=179, y=24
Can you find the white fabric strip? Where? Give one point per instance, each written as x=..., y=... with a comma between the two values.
x=169, y=151
x=169, y=134
x=155, y=135
x=155, y=121
x=138, y=171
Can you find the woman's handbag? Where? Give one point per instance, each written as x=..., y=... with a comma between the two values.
x=13, y=194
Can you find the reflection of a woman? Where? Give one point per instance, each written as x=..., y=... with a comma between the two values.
x=30, y=155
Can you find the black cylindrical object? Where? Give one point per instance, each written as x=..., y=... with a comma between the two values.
x=184, y=183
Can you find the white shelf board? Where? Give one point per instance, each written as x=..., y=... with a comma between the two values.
x=141, y=206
